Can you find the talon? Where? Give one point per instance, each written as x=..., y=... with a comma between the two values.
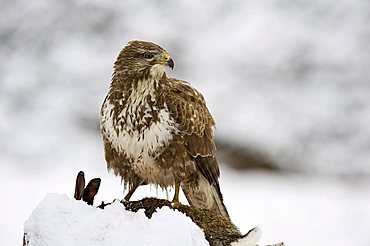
x=126, y=198
x=175, y=204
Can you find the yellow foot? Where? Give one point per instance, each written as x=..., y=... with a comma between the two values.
x=175, y=201
x=175, y=204
x=126, y=198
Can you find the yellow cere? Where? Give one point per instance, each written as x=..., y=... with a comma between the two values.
x=166, y=57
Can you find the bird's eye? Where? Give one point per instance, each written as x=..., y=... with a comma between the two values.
x=148, y=56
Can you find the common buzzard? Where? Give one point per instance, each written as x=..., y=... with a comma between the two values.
x=158, y=130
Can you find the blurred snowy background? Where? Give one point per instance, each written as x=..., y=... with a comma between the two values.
x=288, y=83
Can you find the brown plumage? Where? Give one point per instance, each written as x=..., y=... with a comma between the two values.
x=158, y=130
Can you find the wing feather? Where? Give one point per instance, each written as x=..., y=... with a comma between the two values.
x=187, y=106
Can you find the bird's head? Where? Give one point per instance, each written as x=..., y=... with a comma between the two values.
x=141, y=59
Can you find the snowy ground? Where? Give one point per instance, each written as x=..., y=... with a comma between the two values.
x=59, y=220
x=300, y=210
x=288, y=78
x=296, y=209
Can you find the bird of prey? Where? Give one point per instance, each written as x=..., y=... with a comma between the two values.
x=158, y=130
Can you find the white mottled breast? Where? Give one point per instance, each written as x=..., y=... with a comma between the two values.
x=140, y=147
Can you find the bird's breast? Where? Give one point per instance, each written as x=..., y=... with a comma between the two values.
x=138, y=125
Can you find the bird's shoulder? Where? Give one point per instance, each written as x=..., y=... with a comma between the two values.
x=188, y=107
x=183, y=90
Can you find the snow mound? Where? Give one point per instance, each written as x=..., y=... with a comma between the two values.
x=59, y=220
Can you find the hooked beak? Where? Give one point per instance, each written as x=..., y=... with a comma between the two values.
x=168, y=61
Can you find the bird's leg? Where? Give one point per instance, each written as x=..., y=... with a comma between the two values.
x=131, y=191
x=175, y=200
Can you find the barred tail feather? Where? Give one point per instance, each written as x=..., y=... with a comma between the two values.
x=202, y=194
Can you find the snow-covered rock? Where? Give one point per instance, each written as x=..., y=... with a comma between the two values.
x=59, y=220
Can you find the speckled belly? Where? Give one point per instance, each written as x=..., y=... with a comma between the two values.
x=155, y=174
